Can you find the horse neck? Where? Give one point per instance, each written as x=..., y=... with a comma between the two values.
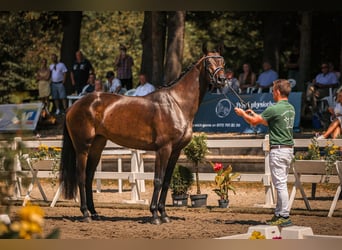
x=190, y=89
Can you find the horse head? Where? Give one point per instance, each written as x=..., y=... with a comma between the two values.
x=214, y=64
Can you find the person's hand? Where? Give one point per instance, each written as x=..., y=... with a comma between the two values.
x=239, y=112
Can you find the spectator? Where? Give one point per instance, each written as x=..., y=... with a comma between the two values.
x=232, y=82
x=43, y=78
x=247, y=78
x=144, y=87
x=266, y=78
x=114, y=84
x=293, y=64
x=124, y=63
x=320, y=85
x=98, y=85
x=334, y=128
x=90, y=87
x=332, y=69
x=80, y=72
x=58, y=76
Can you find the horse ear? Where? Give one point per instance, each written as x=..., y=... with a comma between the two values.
x=212, y=47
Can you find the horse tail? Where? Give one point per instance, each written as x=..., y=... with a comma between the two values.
x=68, y=173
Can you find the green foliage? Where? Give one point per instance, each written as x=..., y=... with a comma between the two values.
x=103, y=32
x=181, y=181
x=197, y=148
x=195, y=152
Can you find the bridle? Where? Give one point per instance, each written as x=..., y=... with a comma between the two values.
x=220, y=82
x=214, y=77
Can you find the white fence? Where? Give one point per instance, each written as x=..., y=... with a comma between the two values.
x=137, y=175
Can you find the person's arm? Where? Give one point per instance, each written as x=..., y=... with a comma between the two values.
x=72, y=78
x=251, y=117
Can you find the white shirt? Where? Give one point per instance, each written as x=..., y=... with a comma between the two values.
x=57, y=74
x=144, y=89
x=114, y=85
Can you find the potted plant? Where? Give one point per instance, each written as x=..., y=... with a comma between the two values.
x=223, y=182
x=181, y=181
x=195, y=152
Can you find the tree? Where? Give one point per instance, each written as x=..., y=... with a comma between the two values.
x=162, y=28
x=175, y=45
x=71, y=21
x=305, y=50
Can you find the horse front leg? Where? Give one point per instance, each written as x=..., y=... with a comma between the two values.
x=162, y=156
x=165, y=186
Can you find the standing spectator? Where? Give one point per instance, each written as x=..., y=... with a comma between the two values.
x=43, y=78
x=58, y=76
x=80, y=72
x=320, y=86
x=247, y=78
x=90, y=87
x=266, y=78
x=144, y=87
x=280, y=119
x=124, y=63
x=114, y=84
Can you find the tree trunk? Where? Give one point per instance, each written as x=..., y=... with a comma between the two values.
x=71, y=41
x=175, y=45
x=146, y=41
x=305, y=51
x=272, y=37
x=158, y=46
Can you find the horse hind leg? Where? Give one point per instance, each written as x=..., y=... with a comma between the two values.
x=94, y=157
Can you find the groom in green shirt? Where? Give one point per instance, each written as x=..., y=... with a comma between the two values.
x=280, y=119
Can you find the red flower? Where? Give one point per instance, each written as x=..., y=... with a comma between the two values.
x=218, y=167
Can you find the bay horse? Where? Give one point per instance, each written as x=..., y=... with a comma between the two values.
x=160, y=121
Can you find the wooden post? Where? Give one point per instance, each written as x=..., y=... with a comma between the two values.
x=269, y=189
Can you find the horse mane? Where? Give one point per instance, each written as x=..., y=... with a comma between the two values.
x=169, y=84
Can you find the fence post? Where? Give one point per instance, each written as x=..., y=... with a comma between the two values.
x=269, y=190
x=16, y=168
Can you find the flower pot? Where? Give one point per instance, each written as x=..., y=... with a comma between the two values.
x=223, y=203
x=180, y=200
x=199, y=200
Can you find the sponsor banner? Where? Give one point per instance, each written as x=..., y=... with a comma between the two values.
x=15, y=117
x=216, y=112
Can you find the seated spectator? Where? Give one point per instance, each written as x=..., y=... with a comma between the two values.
x=98, y=85
x=232, y=82
x=266, y=78
x=114, y=84
x=90, y=87
x=144, y=87
x=320, y=86
x=334, y=129
x=332, y=69
x=247, y=78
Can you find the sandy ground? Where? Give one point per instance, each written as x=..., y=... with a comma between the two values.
x=120, y=220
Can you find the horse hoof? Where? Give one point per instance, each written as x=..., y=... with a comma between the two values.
x=166, y=219
x=86, y=219
x=156, y=221
x=95, y=217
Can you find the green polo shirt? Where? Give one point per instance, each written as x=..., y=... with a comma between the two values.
x=280, y=118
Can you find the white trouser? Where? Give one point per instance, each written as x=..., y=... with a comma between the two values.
x=280, y=162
